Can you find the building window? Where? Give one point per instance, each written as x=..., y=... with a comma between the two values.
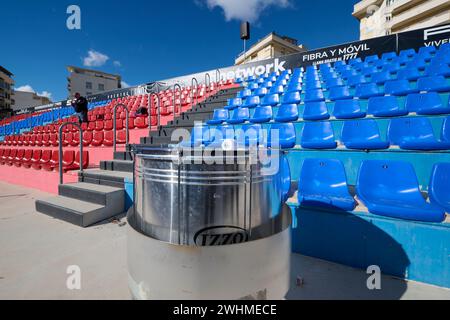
x=101, y=87
x=88, y=85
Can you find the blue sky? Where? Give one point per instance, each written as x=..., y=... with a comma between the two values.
x=153, y=40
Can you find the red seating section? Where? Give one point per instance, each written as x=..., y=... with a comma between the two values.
x=42, y=159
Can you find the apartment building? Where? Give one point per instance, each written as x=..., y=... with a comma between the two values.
x=6, y=92
x=25, y=100
x=383, y=17
x=88, y=82
x=269, y=47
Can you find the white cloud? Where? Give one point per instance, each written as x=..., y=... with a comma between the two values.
x=25, y=88
x=95, y=59
x=124, y=84
x=245, y=10
x=28, y=88
x=117, y=64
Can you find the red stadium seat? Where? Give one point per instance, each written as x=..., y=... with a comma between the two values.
x=46, y=156
x=130, y=123
x=119, y=124
x=26, y=161
x=46, y=140
x=87, y=138
x=108, y=125
x=39, y=142
x=53, y=163
x=36, y=158
x=91, y=126
x=121, y=137
x=75, y=139
x=32, y=142
x=12, y=156
x=140, y=123
x=68, y=137
x=5, y=156
x=108, y=138
x=26, y=140
x=54, y=140
x=18, y=159
x=99, y=125
x=97, y=139
x=76, y=162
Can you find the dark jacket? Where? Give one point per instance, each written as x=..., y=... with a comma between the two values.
x=80, y=105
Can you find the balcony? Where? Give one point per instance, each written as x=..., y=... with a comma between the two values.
x=360, y=9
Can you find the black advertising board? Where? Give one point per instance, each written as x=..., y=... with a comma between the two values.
x=433, y=36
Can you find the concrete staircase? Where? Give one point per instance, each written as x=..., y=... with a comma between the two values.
x=99, y=195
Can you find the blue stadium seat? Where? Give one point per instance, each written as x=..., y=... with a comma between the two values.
x=387, y=56
x=234, y=103
x=253, y=86
x=368, y=71
x=362, y=135
x=286, y=136
x=220, y=116
x=285, y=177
x=348, y=109
x=414, y=134
x=318, y=135
x=199, y=136
x=239, y=115
x=262, y=114
x=372, y=58
x=398, y=87
x=355, y=80
x=311, y=85
x=427, y=50
x=390, y=188
x=244, y=94
x=323, y=183
x=381, y=77
x=287, y=113
x=409, y=74
x=250, y=135
x=334, y=82
x=386, y=106
x=434, y=83
x=260, y=92
x=314, y=95
x=315, y=111
x=426, y=104
x=391, y=67
x=217, y=135
x=339, y=93
x=439, y=189
x=292, y=97
x=439, y=69
x=417, y=62
x=407, y=53
x=346, y=74
x=445, y=133
x=367, y=90
x=270, y=100
x=294, y=86
x=251, y=102
x=276, y=90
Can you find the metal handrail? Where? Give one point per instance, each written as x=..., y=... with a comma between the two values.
x=115, y=125
x=61, y=171
x=196, y=90
x=218, y=78
x=176, y=85
x=207, y=83
x=158, y=107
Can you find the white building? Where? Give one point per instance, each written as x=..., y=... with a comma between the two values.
x=6, y=92
x=383, y=17
x=88, y=82
x=24, y=100
x=269, y=47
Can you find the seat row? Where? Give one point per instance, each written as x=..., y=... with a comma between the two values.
x=414, y=133
x=47, y=160
x=387, y=188
x=90, y=138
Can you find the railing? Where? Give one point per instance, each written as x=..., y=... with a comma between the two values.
x=158, y=107
x=196, y=91
x=60, y=138
x=207, y=83
x=115, y=125
x=176, y=85
x=218, y=77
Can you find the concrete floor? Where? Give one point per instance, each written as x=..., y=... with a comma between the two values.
x=35, y=251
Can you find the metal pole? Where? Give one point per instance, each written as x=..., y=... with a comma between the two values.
x=115, y=125
x=61, y=171
x=158, y=107
x=196, y=90
x=176, y=85
x=207, y=76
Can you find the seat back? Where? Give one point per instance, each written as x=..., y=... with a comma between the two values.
x=358, y=130
x=221, y=115
x=382, y=104
x=417, y=102
x=241, y=114
x=445, y=132
x=388, y=180
x=285, y=133
x=323, y=176
x=46, y=156
x=439, y=189
x=20, y=154
x=27, y=155
x=68, y=157
x=410, y=129
x=270, y=100
x=317, y=131
x=346, y=107
x=85, y=159
x=36, y=155
x=292, y=97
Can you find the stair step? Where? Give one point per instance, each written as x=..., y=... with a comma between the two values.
x=78, y=212
x=94, y=193
x=104, y=177
x=117, y=165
